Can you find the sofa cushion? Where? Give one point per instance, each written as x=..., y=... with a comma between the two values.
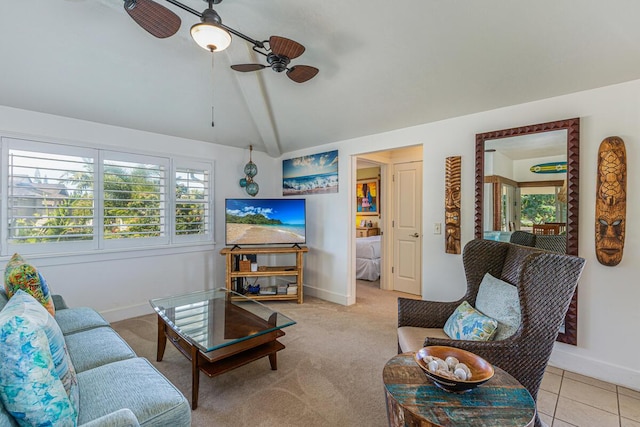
x=134, y=384
x=411, y=338
x=78, y=319
x=19, y=274
x=4, y=299
x=499, y=300
x=96, y=347
x=120, y=418
x=467, y=323
x=35, y=366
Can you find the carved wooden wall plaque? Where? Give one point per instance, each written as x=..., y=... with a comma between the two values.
x=452, y=204
x=611, y=201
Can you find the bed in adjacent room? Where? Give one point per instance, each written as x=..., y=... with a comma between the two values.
x=368, y=258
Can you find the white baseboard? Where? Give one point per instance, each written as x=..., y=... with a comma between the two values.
x=564, y=357
x=326, y=295
x=123, y=313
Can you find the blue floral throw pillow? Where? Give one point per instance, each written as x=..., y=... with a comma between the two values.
x=31, y=378
x=467, y=323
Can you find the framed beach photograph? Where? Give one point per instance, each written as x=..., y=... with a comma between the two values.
x=315, y=174
x=367, y=197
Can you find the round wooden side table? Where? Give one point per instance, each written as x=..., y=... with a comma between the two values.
x=414, y=400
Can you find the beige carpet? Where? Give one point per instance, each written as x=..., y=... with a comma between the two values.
x=330, y=374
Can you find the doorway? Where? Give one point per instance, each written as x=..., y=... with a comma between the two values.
x=399, y=255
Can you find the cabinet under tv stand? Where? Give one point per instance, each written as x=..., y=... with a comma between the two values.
x=233, y=273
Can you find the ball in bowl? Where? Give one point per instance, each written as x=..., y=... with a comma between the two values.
x=479, y=370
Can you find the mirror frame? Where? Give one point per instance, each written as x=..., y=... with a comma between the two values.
x=572, y=127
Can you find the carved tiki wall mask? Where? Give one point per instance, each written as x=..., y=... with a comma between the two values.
x=611, y=201
x=452, y=204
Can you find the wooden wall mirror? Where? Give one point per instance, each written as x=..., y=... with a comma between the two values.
x=501, y=183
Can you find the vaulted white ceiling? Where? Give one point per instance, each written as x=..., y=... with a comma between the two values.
x=383, y=65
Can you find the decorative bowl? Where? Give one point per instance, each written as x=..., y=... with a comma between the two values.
x=481, y=370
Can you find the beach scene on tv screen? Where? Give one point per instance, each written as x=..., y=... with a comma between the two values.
x=265, y=221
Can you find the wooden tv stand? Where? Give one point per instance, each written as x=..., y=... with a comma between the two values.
x=266, y=271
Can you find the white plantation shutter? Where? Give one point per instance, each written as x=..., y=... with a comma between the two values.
x=192, y=201
x=50, y=194
x=134, y=193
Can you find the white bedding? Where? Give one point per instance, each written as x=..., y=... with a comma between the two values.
x=368, y=258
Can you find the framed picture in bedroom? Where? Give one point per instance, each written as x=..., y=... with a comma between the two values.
x=367, y=197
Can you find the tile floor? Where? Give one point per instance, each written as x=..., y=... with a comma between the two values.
x=567, y=399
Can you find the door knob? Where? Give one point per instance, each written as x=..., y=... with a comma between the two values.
x=415, y=235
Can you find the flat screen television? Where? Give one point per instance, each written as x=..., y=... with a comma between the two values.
x=265, y=221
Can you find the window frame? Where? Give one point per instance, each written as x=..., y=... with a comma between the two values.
x=165, y=235
x=184, y=163
x=170, y=165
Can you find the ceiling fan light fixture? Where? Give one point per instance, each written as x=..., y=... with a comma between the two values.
x=211, y=36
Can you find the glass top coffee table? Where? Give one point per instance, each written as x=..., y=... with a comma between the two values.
x=218, y=330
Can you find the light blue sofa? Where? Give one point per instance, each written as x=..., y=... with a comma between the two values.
x=117, y=388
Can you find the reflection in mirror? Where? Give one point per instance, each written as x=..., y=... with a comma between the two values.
x=527, y=191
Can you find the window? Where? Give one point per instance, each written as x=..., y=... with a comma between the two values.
x=50, y=195
x=61, y=196
x=192, y=201
x=133, y=199
x=542, y=205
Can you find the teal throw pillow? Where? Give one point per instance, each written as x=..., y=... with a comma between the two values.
x=499, y=300
x=467, y=323
x=35, y=366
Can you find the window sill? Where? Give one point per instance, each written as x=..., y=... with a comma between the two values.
x=69, y=258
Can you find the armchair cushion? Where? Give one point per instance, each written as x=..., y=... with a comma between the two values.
x=499, y=300
x=467, y=323
x=411, y=338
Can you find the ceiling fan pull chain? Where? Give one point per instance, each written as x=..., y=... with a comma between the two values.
x=212, y=91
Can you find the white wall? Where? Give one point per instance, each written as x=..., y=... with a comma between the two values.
x=498, y=164
x=119, y=284
x=522, y=169
x=608, y=302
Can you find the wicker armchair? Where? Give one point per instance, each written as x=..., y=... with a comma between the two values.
x=548, y=242
x=545, y=281
x=523, y=238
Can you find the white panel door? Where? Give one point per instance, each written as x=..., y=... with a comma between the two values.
x=407, y=228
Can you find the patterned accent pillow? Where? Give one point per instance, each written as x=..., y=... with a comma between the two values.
x=18, y=274
x=467, y=323
x=499, y=300
x=36, y=366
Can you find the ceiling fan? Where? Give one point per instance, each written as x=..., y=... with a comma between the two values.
x=213, y=35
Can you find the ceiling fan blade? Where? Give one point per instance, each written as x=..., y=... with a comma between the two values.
x=284, y=47
x=302, y=73
x=153, y=17
x=248, y=67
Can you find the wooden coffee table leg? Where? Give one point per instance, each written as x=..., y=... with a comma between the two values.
x=195, y=376
x=162, y=339
x=273, y=360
